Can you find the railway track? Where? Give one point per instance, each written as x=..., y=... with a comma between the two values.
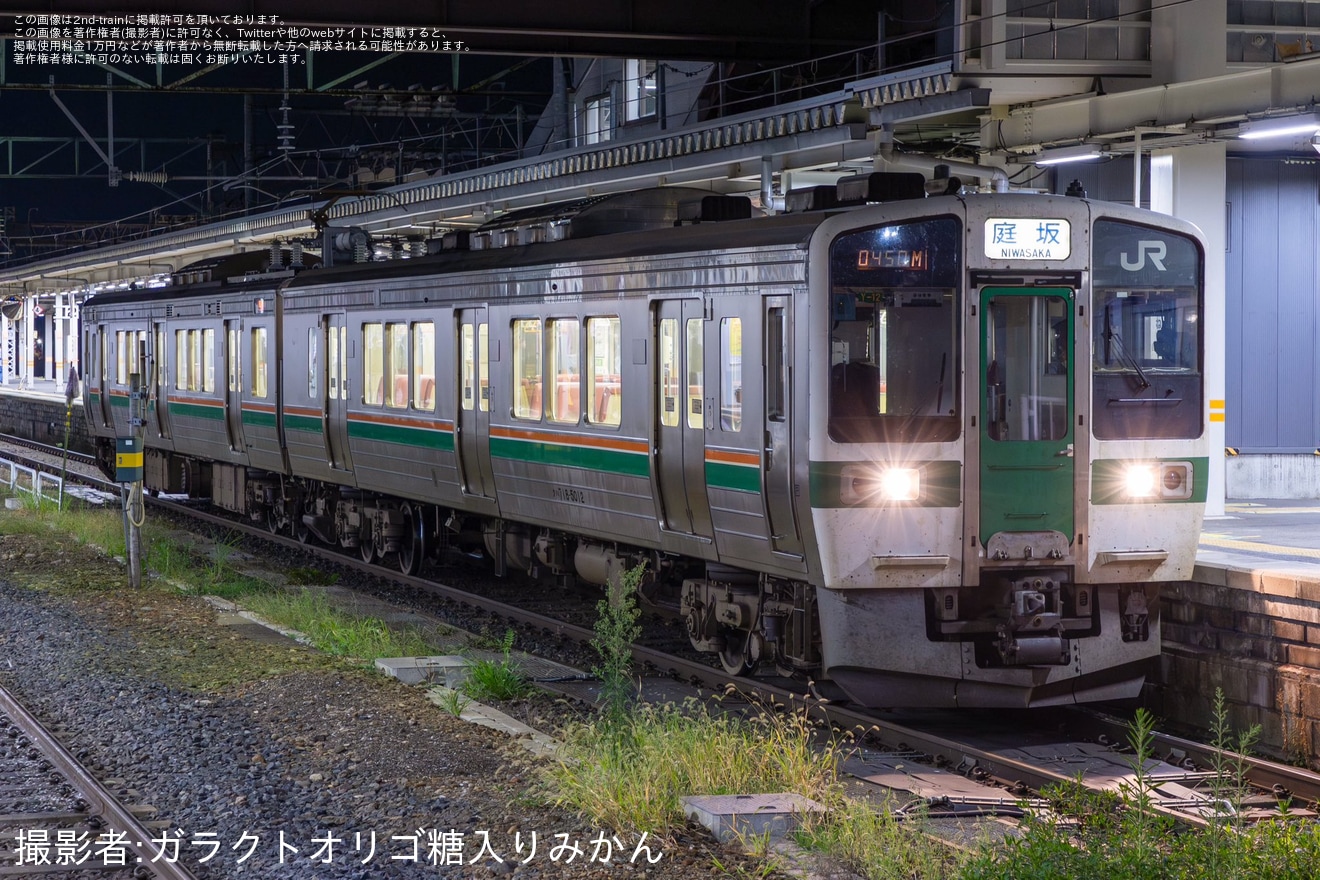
x=58, y=819
x=934, y=755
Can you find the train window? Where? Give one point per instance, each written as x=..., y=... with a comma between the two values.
x=776, y=367
x=527, y=368
x=604, y=344
x=1146, y=333
x=695, y=373
x=467, y=367
x=894, y=333
x=181, y=360
x=260, y=387
x=373, y=364
x=670, y=370
x=232, y=359
x=483, y=364
x=207, y=367
x=423, y=346
x=1027, y=371
x=396, y=392
x=313, y=366
x=121, y=365
x=159, y=358
x=564, y=365
x=731, y=381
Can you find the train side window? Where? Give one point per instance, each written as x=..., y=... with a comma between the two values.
x=670, y=370
x=563, y=336
x=604, y=345
x=527, y=372
x=423, y=366
x=233, y=363
x=731, y=381
x=207, y=369
x=181, y=359
x=696, y=378
x=483, y=364
x=373, y=364
x=776, y=367
x=260, y=388
x=396, y=395
x=467, y=367
x=121, y=364
x=313, y=368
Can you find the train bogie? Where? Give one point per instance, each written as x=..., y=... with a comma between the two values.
x=933, y=452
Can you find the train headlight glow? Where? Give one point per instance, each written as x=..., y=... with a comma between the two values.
x=1141, y=481
x=900, y=484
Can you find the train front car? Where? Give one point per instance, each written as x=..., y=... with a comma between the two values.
x=1007, y=446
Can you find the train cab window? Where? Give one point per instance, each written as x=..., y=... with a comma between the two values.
x=564, y=365
x=670, y=371
x=423, y=366
x=260, y=381
x=396, y=350
x=527, y=373
x=604, y=345
x=696, y=373
x=373, y=364
x=731, y=381
x=1146, y=343
x=893, y=373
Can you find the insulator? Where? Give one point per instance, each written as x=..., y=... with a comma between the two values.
x=295, y=259
x=149, y=176
x=276, y=256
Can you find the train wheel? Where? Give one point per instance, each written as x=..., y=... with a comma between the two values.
x=412, y=548
x=272, y=520
x=368, y=550
x=741, y=652
x=300, y=530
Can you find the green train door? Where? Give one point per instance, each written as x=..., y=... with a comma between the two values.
x=1026, y=411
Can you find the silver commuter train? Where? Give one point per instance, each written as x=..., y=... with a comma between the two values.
x=928, y=452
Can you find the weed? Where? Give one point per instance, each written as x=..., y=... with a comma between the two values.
x=332, y=630
x=616, y=629
x=496, y=679
x=454, y=702
x=871, y=840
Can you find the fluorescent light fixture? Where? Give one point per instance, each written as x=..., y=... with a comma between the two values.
x=1279, y=126
x=1079, y=153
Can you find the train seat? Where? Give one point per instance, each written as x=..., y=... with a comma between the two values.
x=426, y=392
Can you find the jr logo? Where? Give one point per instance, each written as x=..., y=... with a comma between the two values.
x=1156, y=250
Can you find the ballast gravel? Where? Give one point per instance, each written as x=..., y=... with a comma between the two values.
x=272, y=761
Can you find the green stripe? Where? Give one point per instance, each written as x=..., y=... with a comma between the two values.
x=119, y=400
x=739, y=478
x=196, y=411
x=310, y=424
x=404, y=435
x=258, y=418
x=941, y=484
x=632, y=464
x=1107, y=482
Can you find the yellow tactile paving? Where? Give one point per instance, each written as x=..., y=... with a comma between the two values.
x=1257, y=547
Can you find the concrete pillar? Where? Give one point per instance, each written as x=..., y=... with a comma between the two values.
x=8, y=353
x=1190, y=182
x=26, y=337
x=1179, y=35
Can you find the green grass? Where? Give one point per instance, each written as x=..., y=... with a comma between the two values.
x=496, y=679
x=334, y=631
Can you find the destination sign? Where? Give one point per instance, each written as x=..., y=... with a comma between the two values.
x=1027, y=238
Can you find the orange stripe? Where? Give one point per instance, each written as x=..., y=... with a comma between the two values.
x=259, y=407
x=393, y=420
x=196, y=401
x=302, y=410
x=1216, y=417
x=727, y=457
x=571, y=439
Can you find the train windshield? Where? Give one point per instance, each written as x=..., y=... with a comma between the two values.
x=894, y=333
x=1146, y=333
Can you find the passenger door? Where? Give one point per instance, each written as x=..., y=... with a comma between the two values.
x=777, y=463
x=680, y=459
x=473, y=423
x=160, y=376
x=234, y=383
x=335, y=328
x=1027, y=411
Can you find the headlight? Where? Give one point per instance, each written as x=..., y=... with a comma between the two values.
x=871, y=484
x=900, y=484
x=1141, y=480
x=1166, y=480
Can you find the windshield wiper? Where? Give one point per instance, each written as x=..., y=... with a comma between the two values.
x=1112, y=338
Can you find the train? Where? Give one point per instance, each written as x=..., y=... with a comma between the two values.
x=920, y=450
